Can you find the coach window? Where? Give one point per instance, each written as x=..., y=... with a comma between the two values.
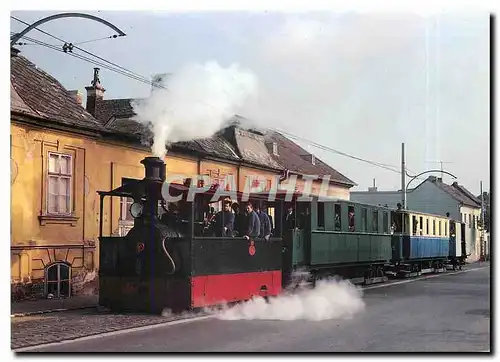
x=433, y=226
x=350, y=216
x=414, y=224
x=375, y=221
x=452, y=229
x=397, y=222
x=445, y=228
x=321, y=214
x=385, y=222
x=364, y=219
x=426, y=226
x=439, y=228
x=337, y=217
x=421, y=225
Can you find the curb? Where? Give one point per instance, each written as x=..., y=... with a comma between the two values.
x=26, y=314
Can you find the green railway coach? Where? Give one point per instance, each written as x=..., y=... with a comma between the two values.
x=338, y=237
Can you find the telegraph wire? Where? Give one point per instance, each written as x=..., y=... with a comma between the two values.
x=87, y=59
x=71, y=45
x=329, y=149
x=126, y=72
x=326, y=148
x=289, y=135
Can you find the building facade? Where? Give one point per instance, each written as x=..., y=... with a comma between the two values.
x=435, y=197
x=63, y=152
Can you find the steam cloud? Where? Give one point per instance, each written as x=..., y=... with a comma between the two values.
x=199, y=101
x=330, y=299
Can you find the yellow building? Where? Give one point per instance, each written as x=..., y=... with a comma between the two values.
x=62, y=153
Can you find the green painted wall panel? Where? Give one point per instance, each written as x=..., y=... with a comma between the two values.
x=328, y=248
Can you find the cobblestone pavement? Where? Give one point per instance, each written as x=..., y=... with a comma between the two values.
x=55, y=327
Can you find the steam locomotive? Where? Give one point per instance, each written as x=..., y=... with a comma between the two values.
x=167, y=260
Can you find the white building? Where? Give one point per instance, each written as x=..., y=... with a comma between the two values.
x=435, y=197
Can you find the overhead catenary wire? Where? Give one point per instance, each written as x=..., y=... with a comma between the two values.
x=124, y=71
x=289, y=135
x=136, y=75
x=89, y=60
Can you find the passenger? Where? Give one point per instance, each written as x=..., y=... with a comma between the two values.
x=265, y=223
x=253, y=223
x=289, y=221
x=239, y=220
x=350, y=216
x=272, y=224
x=224, y=221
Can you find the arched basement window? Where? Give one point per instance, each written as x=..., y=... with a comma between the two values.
x=58, y=280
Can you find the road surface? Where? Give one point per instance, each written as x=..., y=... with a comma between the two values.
x=445, y=313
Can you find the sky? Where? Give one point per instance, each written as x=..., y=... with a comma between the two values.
x=358, y=83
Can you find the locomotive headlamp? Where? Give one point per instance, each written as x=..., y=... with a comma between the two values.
x=136, y=209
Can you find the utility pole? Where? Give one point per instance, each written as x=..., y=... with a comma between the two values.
x=441, y=164
x=481, y=240
x=403, y=174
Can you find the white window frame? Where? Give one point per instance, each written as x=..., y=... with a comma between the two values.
x=68, y=176
x=125, y=203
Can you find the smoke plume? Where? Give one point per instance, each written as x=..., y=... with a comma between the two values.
x=330, y=299
x=198, y=101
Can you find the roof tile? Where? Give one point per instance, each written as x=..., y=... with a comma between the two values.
x=291, y=157
x=35, y=90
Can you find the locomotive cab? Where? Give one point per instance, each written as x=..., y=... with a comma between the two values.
x=165, y=262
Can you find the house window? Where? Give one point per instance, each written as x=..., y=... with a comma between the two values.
x=473, y=221
x=269, y=185
x=125, y=203
x=470, y=221
x=321, y=214
x=58, y=280
x=337, y=218
x=59, y=184
x=375, y=221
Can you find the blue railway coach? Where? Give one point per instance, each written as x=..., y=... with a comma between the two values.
x=420, y=242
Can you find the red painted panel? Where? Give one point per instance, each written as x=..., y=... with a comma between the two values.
x=216, y=289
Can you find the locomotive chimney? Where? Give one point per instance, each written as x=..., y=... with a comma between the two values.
x=156, y=169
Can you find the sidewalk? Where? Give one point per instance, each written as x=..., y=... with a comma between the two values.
x=29, y=307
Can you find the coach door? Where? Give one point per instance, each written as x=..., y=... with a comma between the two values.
x=462, y=239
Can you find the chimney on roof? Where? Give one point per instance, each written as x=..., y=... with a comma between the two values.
x=374, y=188
x=95, y=93
x=77, y=96
x=14, y=52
